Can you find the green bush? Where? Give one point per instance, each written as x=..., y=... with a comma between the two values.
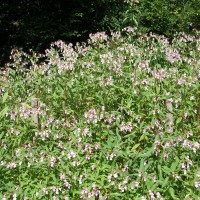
x=115, y=119
x=167, y=17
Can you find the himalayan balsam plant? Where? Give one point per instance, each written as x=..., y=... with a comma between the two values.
x=117, y=118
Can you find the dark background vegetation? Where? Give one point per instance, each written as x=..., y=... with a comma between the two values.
x=34, y=24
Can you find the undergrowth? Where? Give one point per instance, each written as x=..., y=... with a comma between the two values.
x=116, y=118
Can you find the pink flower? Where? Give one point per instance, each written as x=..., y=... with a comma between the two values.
x=52, y=161
x=62, y=176
x=67, y=184
x=87, y=157
x=96, y=146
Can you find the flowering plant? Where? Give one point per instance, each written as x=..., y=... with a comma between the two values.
x=115, y=119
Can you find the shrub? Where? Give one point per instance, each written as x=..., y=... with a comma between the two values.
x=114, y=119
x=166, y=17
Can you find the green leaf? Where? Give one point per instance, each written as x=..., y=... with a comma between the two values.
x=135, y=146
x=117, y=133
x=142, y=138
x=174, y=165
x=167, y=170
x=3, y=112
x=147, y=154
x=157, y=89
x=165, y=182
x=178, y=120
x=129, y=103
x=160, y=171
x=149, y=184
x=171, y=191
x=5, y=96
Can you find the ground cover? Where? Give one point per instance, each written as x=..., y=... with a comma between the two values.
x=117, y=118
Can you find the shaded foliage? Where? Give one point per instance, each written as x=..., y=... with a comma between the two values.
x=34, y=24
x=169, y=16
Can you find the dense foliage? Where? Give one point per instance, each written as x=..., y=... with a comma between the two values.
x=35, y=24
x=114, y=119
x=168, y=16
